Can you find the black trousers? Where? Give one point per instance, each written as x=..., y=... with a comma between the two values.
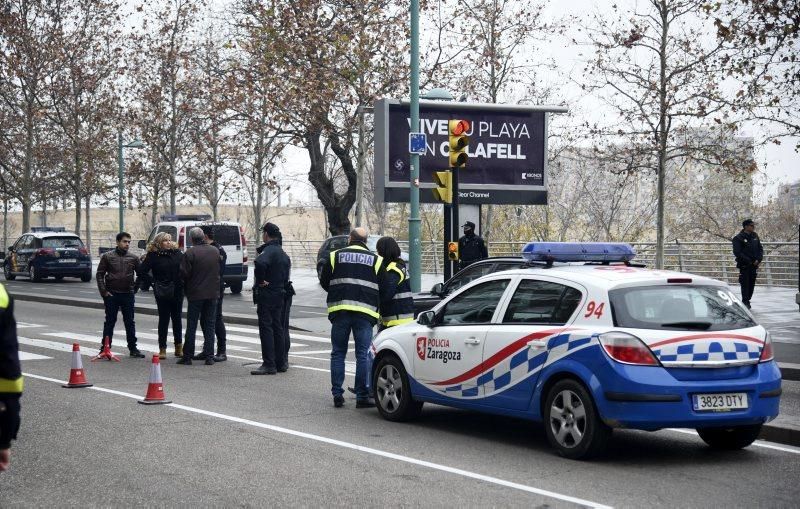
x=747, y=282
x=270, y=331
x=287, y=307
x=205, y=311
x=169, y=310
x=219, y=326
x=114, y=304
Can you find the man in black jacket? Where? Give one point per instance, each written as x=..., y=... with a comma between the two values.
x=749, y=253
x=200, y=272
x=117, y=281
x=219, y=325
x=10, y=378
x=471, y=247
x=272, y=268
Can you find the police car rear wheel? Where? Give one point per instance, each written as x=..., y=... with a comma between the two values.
x=391, y=391
x=572, y=424
x=35, y=276
x=7, y=273
x=730, y=439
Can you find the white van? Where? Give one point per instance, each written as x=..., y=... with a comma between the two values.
x=226, y=233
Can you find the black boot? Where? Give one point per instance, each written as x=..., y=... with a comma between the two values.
x=264, y=370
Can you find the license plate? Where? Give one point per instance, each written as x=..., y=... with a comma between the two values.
x=67, y=260
x=719, y=402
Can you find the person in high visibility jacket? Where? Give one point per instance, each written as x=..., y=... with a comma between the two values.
x=397, y=304
x=10, y=378
x=350, y=277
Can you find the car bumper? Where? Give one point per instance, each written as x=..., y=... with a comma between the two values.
x=652, y=398
x=235, y=272
x=66, y=270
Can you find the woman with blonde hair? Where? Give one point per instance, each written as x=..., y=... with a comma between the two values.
x=164, y=260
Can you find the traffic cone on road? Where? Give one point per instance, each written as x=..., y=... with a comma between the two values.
x=155, y=388
x=77, y=376
x=105, y=353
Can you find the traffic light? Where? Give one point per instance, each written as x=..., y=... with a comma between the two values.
x=458, y=142
x=443, y=193
x=452, y=251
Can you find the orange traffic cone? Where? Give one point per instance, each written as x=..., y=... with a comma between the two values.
x=155, y=389
x=77, y=376
x=105, y=353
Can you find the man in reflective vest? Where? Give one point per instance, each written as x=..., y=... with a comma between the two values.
x=350, y=277
x=10, y=378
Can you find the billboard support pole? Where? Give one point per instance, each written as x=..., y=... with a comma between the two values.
x=414, y=245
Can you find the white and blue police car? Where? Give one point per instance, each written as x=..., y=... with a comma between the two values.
x=587, y=347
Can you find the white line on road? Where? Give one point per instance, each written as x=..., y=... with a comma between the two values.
x=760, y=443
x=356, y=447
x=27, y=356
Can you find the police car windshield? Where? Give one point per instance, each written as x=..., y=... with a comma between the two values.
x=57, y=242
x=679, y=307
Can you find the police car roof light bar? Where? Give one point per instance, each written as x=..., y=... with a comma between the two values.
x=578, y=252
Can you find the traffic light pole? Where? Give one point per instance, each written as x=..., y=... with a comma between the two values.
x=448, y=230
x=454, y=215
x=414, y=245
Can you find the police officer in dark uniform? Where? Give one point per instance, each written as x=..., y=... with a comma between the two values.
x=396, y=301
x=749, y=253
x=471, y=247
x=272, y=268
x=350, y=277
x=10, y=378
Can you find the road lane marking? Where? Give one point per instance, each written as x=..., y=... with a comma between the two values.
x=27, y=356
x=356, y=447
x=762, y=443
x=24, y=325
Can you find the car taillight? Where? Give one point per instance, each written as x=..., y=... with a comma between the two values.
x=83, y=251
x=626, y=348
x=45, y=252
x=766, y=350
x=180, y=237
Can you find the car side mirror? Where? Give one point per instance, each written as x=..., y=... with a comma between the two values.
x=142, y=244
x=427, y=318
x=438, y=289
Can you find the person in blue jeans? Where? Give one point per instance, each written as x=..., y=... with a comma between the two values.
x=350, y=276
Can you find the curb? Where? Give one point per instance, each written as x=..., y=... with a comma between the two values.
x=145, y=309
x=783, y=432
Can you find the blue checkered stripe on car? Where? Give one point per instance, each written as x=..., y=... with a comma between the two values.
x=516, y=367
x=712, y=351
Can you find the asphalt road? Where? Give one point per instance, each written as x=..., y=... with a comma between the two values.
x=231, y=439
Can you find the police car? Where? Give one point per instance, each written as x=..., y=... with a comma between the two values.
x=586, y=347
x=48, y=252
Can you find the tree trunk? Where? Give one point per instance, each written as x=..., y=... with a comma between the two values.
x=337, y=208
x=88, y=223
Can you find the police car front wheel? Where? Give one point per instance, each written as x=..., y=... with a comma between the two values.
x=391, y=391
x=572, y=424
x=736, y=437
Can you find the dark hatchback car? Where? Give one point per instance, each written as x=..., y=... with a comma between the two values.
x=48, y=252
x=425, y=301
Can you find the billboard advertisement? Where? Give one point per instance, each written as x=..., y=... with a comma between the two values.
x=507, y=151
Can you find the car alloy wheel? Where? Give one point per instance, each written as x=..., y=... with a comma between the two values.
x=391, y=391
x=35, y=274
x=572, y=424
x=568, y=419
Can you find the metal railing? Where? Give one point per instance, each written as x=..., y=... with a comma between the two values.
x=710, y=259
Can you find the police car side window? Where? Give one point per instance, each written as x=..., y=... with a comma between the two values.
x=476, y=305
x=542, y=302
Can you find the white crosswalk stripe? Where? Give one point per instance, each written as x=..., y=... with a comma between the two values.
x=27, y=356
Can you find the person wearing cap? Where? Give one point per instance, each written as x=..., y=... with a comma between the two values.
x=350, y=276
x=272, y=268
x=10, y=378
x=749, y=253
x=471, y=247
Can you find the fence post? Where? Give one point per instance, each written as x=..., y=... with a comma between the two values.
x=769, y=273
x=680, y=255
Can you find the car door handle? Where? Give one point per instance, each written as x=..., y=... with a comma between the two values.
x=537, y=344
x=472, y=341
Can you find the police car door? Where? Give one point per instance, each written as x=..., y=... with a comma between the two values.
x=515, y=348
x=449, y=354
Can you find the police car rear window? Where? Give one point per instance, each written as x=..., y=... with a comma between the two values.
x=227, y=235
x=56, y=242
x=678, y=307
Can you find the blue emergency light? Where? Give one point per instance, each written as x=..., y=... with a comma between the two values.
x=578, y=252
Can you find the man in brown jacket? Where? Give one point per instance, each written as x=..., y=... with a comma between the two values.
x=117, y=280
x=201, y=280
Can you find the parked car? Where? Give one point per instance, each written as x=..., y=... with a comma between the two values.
x=340, y=241
x=586, y=348
x=424, y=301
x=48, y=251
x=226, y=233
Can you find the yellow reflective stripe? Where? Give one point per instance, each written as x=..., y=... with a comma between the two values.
x=378, y=263
x=350, y=307
x=399, y=321
x=333, y=259
x=12, y=386
x=393, y=266
x=3, y=297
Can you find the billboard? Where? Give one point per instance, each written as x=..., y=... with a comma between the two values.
x=507, y=151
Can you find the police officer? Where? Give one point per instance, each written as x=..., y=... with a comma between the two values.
x=749, y=253
x=272, y=268
x=350, y=277
x=471, y=247
x=10, y=378
x=396, y=301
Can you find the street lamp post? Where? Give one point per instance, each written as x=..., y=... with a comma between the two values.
x=137, y=143
x=414, y=244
